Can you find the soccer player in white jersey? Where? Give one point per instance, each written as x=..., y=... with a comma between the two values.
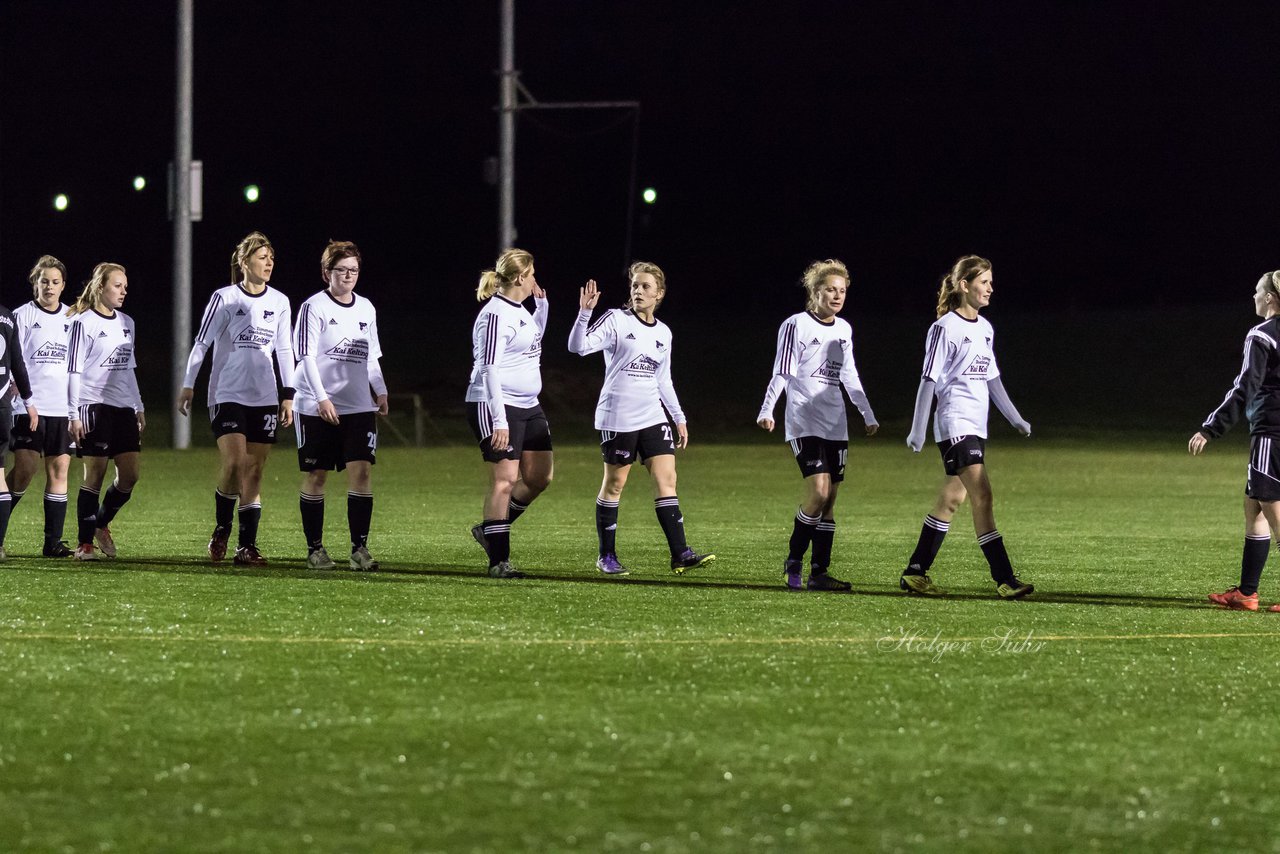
x=960, y=371
x=244, y=323
x=43, y=330
x=814, y=360
x=104, y=404
x=629, y=415
x=502, y=396
x=1256, y=395
x=340, y=394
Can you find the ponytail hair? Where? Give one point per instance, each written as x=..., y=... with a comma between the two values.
x=1268, y=280
x=511, y=265
x=816, y=275
x=88, y=298
x=244, y=250
x=965, y=269
x=46, y=262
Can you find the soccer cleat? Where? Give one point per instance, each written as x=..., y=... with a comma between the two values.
x=477, y=533
x=609, y=565
x=504, y=570
x=823, y=581
x=85, y=551
x=249, y=556
x=56, y=548
x=362, y=560
x=1233, y=600
x=689, y=559
x=793, y=574
x=921, y=585
x=218, y=544
x=102, y=536
x=1014, y=588
x=319, y=559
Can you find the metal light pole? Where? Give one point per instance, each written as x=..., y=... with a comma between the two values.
x=182, y=218
x=507, y=129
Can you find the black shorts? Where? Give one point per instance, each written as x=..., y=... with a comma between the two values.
x=109, y=430
x=49, y=439
x=322, y=445
x=528, y=429
x=1263, y=480
x=820, y=456
x=623, y=449
x=961, y=452
x=255, y=423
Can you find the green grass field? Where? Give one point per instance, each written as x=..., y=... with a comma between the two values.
x=158, y=703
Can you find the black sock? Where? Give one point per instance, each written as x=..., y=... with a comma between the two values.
x=932, y=532
x=497, y=532
x=993, y=548
x=224, y=507
x=6, y=507
x=17, y=496
x=607, y=526
x=250, y=515
x=312, y=507
x=55, y=517
x=1251, y=564
x=86, y=510
x=359, y=517
x=672, y=522
x=823, y=535
x=515, y=509
x=112, y=500
x=802, y=534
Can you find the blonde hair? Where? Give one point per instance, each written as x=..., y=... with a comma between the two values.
x=965, y=269
x=816, y=275
x=46, y=262
x=1271, y=280
x=335, y=252
x=88, y=298
x=652, y=269
x=244, y=250
x=511, y=265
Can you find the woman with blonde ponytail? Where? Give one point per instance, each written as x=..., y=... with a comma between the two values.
x=104, y=404
x=244, y=323
x=960, y=371
x=502, y=399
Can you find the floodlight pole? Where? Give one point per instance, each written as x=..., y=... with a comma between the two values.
x=182, y=218
x=509, y=90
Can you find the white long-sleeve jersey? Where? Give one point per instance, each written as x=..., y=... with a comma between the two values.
x=102, y=361
x=637, y=369
x=960, y=359
x=43, y=336
x=244, y=329
x=506, y=344
x=813, y=361
x=338, y=351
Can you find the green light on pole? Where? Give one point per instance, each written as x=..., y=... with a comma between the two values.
x=139, y=183
x=251, y=193
x=60, y=202
x=649, y=195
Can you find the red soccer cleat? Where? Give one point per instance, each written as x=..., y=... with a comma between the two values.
x=1232, y=599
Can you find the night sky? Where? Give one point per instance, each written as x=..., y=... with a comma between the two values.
x=1101, y=154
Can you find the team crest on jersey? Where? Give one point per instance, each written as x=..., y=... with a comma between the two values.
x=988, y=341
x=347, y=350
x=978, y=367
x=267, y=315
x=118, y=360
x=126, y=332
x=829, y=370
x=363, y=326
x=254, y=337
x=66, y=327
x=661, y=346
x=50, y=353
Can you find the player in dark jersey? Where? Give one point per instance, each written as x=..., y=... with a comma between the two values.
x=1256, y=395
x=13, y=371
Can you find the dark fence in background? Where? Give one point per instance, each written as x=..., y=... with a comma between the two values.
x=1071, y=372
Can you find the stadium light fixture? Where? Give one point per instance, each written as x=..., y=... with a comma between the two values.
x=650, y=195
x=60, y=202
x=139, y=183
x=252, y=193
